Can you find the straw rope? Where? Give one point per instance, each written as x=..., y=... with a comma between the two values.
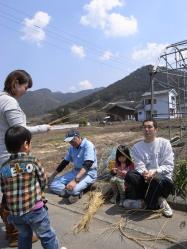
x=96, y=200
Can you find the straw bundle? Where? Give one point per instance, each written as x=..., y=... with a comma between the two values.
x=96, y=200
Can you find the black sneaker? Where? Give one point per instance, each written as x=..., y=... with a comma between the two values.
x=74, y=198
x=64, y=194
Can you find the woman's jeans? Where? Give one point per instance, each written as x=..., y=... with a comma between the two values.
x=37, y=221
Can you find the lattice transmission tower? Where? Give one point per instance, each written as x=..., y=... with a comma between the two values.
x=172, y=68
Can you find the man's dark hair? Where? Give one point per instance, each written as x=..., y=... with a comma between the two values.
x=15, y=137
x=151, y=120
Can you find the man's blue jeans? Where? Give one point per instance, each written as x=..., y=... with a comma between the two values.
x=37, y=221
x=59, y=183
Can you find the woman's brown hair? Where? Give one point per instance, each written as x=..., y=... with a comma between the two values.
x=17, y=76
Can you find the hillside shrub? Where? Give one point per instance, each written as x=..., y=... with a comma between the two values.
x=83, y=121
x=180, y=178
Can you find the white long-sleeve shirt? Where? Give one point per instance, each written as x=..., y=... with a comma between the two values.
x=11, y=114
x=154, y=155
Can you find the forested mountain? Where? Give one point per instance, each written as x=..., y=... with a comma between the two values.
x=44, y=100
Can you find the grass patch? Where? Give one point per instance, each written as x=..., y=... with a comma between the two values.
x=180, y=178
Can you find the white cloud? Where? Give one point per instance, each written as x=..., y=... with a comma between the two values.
x=119, y=25
x=99, y=15
x=149, y=54
x=85, y=84
x=33, y=29
x=78, y=51
x=72, y=89
x=107, y=55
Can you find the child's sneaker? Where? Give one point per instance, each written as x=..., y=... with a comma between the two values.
x=121, y=202
x=166, y=209
x=113, y=199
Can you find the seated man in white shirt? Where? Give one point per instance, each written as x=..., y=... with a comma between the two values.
x=154, y=163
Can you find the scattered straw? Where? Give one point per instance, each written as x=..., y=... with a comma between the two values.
x=138, y=240
x=96, y=200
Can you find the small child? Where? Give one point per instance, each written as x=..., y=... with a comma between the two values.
x=22, y=182
x=123, y=163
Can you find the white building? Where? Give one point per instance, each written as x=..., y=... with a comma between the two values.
x=164, y=105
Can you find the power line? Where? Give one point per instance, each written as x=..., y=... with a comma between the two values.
x=37, y=29
x=94, y=49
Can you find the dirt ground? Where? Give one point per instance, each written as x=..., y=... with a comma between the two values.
x=50, y=147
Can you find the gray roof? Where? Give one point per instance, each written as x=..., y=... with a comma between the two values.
x=158, y=92
x=121, y=106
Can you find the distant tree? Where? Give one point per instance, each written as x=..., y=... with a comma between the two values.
x=83, y=121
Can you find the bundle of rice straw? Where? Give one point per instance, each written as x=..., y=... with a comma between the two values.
x=96, y=200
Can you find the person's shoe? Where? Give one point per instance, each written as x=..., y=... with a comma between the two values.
x=73, y=198
x=166, y=209
x=64, y=194
x=121, y=201
x=13, y=242
x=113, y=199
x=34, y=238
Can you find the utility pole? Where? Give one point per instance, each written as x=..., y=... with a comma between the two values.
x=152, y=80
x=152, y=96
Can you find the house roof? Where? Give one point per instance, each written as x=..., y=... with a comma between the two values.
x=121, y=106
x=159, y=92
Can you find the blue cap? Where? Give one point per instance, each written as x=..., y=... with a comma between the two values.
x=71, y=134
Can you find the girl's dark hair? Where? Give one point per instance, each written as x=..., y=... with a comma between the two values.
x=15, y=137
x=123, y=150
x=17, y=76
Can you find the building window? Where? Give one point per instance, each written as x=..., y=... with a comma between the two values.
x=172, y=100
x=172, y=112
x=155, y=113
x=148, y=101
x=148, y=114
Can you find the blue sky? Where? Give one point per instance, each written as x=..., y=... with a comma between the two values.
x=74, y=45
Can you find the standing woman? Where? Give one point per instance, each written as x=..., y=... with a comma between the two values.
x=16, y=84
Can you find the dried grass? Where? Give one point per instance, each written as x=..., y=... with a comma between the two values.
x=96, y=200
x=120, y=226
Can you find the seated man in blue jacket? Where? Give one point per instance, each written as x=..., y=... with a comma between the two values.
x=82, y=154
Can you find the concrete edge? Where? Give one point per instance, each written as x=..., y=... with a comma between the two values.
x=98, y=217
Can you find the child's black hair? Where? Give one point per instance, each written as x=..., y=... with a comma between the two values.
x=123, y=150
x=15, y=137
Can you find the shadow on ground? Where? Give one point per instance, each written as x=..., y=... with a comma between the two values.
x=134, y=215
x=180, y=245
